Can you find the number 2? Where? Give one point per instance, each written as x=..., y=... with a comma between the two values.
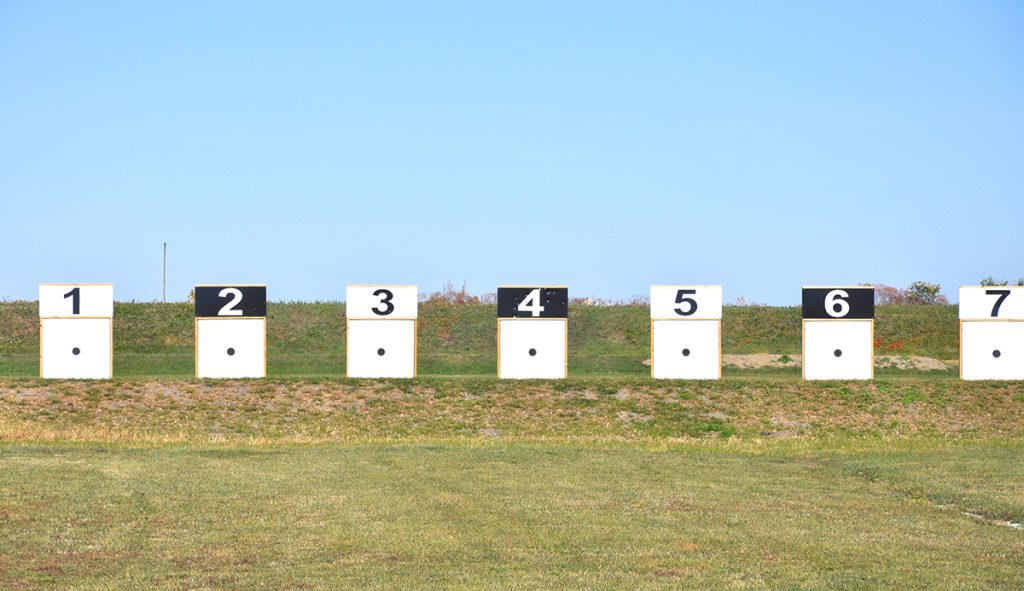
x=76, y=296
x=835, y=305
x=531, y=303
x=1002, y=293
x=690, y=302
x=236, y=298
x=387, y=295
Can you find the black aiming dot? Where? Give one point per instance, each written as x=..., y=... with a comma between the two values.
x=231, y=351
x=686, y=352
x=76, y=351
x=996, y=353
x=533, y=352
x=380, y=352
x=838, y=353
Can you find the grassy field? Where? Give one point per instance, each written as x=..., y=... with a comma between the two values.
x=495, y=515
x=457, y=480
x=308, y=339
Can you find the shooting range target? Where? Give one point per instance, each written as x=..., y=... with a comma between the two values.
x=838, y=333
x=533, y=332
x=686, y=332
x=76, y=331
x=992, y=333
x=381, y=331
x=231, y=331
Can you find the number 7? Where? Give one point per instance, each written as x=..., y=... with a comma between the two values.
x=1003, y=294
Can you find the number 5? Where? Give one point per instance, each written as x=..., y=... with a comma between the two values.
x=690, y=302
x=835, y=305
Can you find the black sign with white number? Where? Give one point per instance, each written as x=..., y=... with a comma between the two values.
x=533, y=302
x=835, y=303
x=226, y=301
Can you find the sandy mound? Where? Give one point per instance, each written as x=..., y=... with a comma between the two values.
x=763, y=360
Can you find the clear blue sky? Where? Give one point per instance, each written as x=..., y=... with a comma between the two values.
x=602, y=145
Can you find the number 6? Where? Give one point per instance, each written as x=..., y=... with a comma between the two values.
x=835, y=305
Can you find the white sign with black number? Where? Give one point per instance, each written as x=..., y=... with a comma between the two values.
x=75, y=331
x=381, y=331
x=686, y=332
x=992, y=333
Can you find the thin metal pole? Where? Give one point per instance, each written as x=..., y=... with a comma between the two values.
x=165, y=272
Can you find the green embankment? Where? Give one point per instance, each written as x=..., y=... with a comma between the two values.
x=308, y=339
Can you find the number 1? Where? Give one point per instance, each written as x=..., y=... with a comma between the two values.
x=75, y=296
x=1002, y=293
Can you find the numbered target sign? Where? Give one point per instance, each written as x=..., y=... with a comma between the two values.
x=533, y=332
x=686, y=332
x=992, y=333
x=381, y=329
x=838, y=333
x=231, y=331
x=75, y=331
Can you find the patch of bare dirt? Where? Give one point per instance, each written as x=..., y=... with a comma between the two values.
x=760, y=360
x=912, y=362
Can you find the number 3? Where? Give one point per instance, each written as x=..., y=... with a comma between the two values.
x=690, y=302
x=236, y=298
x=386, y=301
x=835, y=305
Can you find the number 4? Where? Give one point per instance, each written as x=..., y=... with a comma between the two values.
x=531, y=303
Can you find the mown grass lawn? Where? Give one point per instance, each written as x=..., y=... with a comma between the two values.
x=501, y=515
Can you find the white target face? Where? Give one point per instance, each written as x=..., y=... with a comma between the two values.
x=838, y=350
x=686, y=350
x=532, y=349
x=381, y=349
x=75, y=348
x=231, y=348
x=992, y=350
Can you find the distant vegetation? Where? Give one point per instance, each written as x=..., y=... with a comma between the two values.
x=917, y=293
x=992, y=282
